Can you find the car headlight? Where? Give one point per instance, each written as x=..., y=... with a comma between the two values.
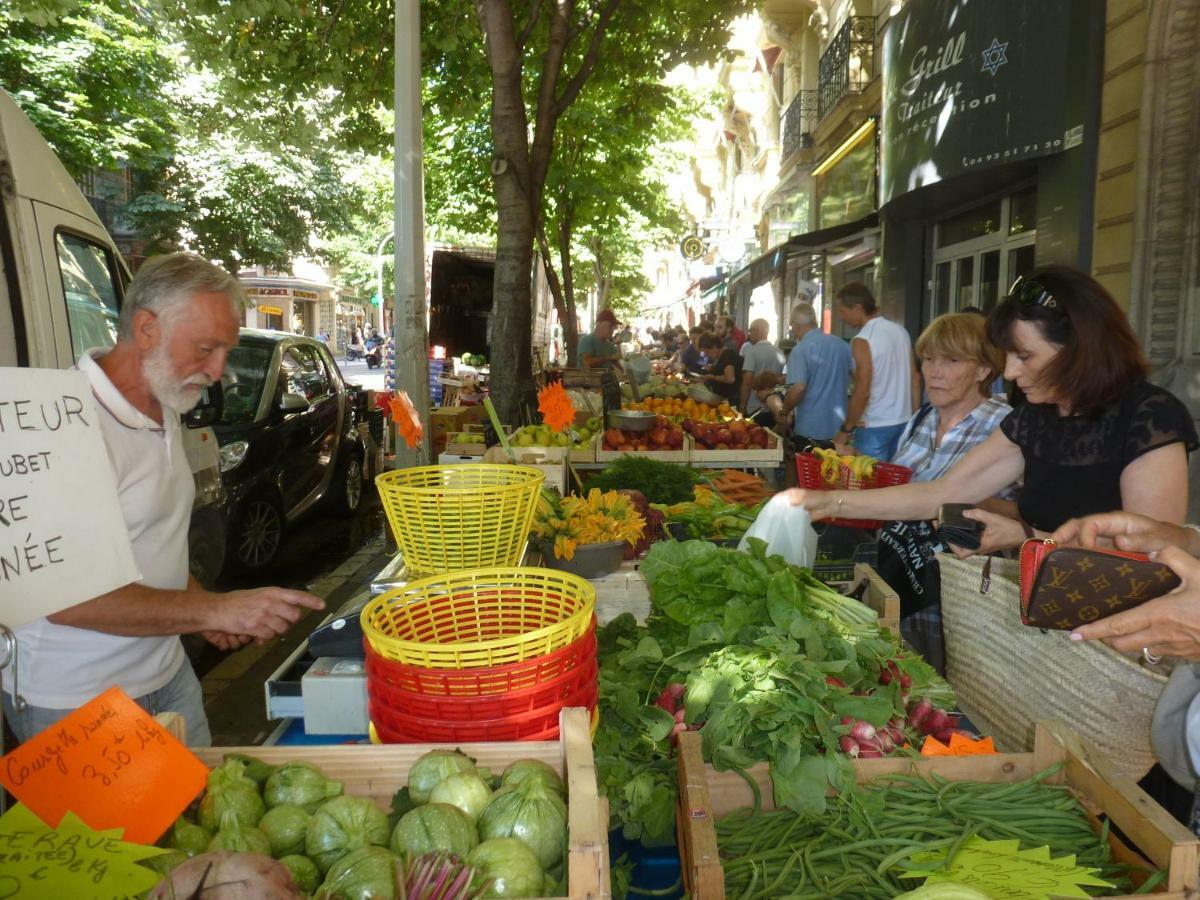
x=232, y=454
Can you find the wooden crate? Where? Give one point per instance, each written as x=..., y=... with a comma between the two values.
x=458, y=448
x=735, y=458
x=624, y=590
x=379, y=771
x=880, y=597
x=705, y=794
x=683, y=455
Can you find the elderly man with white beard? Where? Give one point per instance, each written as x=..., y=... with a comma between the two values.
x=179, y=321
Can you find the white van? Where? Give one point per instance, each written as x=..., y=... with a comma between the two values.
x=62, y=282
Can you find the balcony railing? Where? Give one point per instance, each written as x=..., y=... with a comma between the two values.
x=848, y=63
x=799, y=120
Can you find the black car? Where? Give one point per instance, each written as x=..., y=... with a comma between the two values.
x=289, y=440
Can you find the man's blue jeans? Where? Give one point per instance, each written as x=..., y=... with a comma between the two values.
x=879, y=442
x=182, y=694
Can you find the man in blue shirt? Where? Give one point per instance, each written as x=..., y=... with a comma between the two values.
x=818, y=378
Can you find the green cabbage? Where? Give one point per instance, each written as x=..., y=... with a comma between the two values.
x=432, y=768
x=237, y=796
x=341, y=825
x=368, y=873
x=532, y=813
x=299, y=784
x=434, y=826
x=191, y=839
x=285, y=826
x=239, y=838
x=468, y=792
x=509, y=866
x=524, y=769
x=304, y=872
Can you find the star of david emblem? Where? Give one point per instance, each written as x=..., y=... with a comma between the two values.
x=994, y=56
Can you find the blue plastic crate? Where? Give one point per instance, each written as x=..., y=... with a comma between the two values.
x=654, y=868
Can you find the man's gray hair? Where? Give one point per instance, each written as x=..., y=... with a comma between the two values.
x=804, y=314
x=167, y=282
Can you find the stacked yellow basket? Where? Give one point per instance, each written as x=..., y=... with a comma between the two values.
x=486, y=650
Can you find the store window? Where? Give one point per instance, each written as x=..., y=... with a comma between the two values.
x=89, y=282
x=981, y=251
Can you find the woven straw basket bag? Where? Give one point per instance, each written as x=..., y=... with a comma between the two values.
x=1009, y=676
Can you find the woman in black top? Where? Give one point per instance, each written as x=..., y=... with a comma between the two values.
x=1092, y=436
x=724, y=377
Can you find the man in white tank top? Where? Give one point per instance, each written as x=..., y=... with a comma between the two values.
x=887, y=385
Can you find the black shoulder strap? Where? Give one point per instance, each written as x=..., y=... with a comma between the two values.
x=925, y=410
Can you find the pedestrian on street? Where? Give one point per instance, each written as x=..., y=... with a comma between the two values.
x=178, y=323
x=887, y=384
x=597, y=350
x=759, y=355
x=818, y=376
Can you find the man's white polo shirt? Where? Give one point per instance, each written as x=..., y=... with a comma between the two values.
x=64, y=667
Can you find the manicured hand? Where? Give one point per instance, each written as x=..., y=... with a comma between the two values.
x=264, y=613
x=1166, y=626
x=999, y=533
x=1126, y=531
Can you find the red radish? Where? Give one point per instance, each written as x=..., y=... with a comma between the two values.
x=848, y=720
x=885, y=677
x=905, y=682
x=886, y=744
x=679, y=714
x=671, y=698
x=919, y=712
x=945, y=734
x=870, y=754
x=849, y=746
x=834, y=682
x=863, y=732
x=936, y=721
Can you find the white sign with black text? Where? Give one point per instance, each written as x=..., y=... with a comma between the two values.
x=62, y=537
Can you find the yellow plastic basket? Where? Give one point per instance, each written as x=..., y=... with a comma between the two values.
x=447, y=518
x=479, y=618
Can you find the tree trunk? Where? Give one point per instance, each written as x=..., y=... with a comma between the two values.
x=565, y=309
x=512, y=303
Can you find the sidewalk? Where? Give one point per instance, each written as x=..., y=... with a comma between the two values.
x=233, y=689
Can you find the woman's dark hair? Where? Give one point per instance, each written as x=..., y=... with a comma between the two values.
x=708, y=339
x=1100, y=358
x=857, y=294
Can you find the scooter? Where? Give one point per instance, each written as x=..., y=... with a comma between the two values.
x=355, y=351
x=374, y=355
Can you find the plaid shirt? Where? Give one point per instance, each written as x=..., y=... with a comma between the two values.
x=917, y=450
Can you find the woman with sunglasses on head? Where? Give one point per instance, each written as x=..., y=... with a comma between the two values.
x=1093, y=435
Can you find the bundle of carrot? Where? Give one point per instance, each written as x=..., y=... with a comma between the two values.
x=739, y=487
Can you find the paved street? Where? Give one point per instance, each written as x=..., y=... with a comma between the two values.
x=356, y=372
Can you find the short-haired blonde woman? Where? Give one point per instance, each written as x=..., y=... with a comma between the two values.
x=959, y=365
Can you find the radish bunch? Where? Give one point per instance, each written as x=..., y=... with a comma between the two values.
x=671, y=699
x=865, y=741
x=930, y=721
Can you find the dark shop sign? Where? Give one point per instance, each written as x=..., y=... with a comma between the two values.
x=970, y=84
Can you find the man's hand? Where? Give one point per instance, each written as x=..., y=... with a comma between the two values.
x=1127, y=531
x=223, y=641
x=263, y=614
x=1166, y=626
x=999, y=533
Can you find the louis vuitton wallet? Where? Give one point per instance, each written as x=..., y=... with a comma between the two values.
x=1064, y=587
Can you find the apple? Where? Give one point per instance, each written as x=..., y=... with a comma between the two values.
x=613, y=436
x=675, y=439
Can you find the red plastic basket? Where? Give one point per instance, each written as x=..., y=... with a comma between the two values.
x=808, y=472
x=487, y=680
x=488, y=707
x=397, y=728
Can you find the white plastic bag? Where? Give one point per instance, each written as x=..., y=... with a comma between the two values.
x=787, y=530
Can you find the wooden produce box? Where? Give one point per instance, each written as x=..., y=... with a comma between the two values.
x=379, y=771
x=734, y=458
x=624, y=590
x=585, y=453
x=460, y=448
x=879, y=596
x=1155, y=838
x=682, y=455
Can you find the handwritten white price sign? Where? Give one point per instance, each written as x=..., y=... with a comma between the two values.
x=62, y=538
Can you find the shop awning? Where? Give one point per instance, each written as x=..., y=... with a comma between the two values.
x=822, y=238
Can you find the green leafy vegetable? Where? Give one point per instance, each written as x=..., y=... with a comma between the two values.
x=660, y=482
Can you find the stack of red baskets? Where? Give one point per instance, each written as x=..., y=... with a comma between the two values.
x=426, y=644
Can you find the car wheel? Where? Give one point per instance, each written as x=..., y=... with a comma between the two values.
x=258, y=534
x=347, y=493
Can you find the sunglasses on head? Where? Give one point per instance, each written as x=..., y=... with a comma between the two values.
x=1029, y=292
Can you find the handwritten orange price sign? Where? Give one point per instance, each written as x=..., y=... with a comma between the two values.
x=111, y=764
